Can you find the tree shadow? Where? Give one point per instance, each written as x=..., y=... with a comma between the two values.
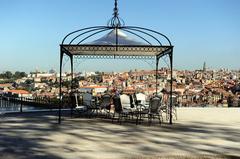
x=39, y=136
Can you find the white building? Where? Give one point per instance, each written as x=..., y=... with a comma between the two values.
x=93, y=89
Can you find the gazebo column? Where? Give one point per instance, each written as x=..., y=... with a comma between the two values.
x=157, y=62
x=171, y=84
x=60, y=87
x=71, y=94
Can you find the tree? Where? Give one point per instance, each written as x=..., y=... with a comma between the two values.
x=8, y=74
x=23, y=74
x=16, y=75
x=66, y=84
x=19, y=75
x=98, y=73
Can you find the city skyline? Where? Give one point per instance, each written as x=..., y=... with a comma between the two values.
x=200, y=31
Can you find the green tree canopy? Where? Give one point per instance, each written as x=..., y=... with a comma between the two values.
x=10, y=75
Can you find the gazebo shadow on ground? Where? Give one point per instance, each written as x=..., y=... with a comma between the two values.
x=37, y=135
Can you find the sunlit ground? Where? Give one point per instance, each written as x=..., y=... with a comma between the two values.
x=197, y=133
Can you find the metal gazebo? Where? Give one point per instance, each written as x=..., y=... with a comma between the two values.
x=116, y=44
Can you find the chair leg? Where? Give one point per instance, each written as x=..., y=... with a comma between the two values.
x=149, y=119
x=175, y=113
x=140, y=118
x=137, y=119
x=152, y=116
x=159, y=118
x=120, y=117
x=167, y=114
x=113, y=117
x=97, y=111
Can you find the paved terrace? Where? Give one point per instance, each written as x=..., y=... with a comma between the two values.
x=208, y=131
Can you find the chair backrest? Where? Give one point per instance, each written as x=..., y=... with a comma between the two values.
x=154, y=104
x=142, y=98
x=117, y=104
x=126, y=101
x=87, y=99
x=106, y=100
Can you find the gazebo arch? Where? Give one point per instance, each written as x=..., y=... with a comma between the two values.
x=116, y=44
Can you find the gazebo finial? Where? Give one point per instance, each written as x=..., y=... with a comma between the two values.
x=115, y=10
x=115, y=21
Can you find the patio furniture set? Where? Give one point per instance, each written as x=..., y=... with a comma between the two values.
x=123, y=108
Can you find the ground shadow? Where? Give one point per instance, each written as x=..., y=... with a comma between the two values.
x=39, y=136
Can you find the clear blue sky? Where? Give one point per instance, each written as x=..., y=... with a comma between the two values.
x=200, y=30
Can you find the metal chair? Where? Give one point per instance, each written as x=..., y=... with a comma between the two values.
x=129, y=104
x=105, y=103
x=152, y=111
x=118, y=109
x=165, y=109
x=79, y=108
x=87, y=105
x=125, y=101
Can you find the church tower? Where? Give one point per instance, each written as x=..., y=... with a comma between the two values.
x=204, y=66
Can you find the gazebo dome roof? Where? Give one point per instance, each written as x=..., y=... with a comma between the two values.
x=110, y=39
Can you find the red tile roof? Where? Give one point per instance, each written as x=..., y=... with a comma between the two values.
x=6, y=85
x=19, y=91
x=93, y=87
